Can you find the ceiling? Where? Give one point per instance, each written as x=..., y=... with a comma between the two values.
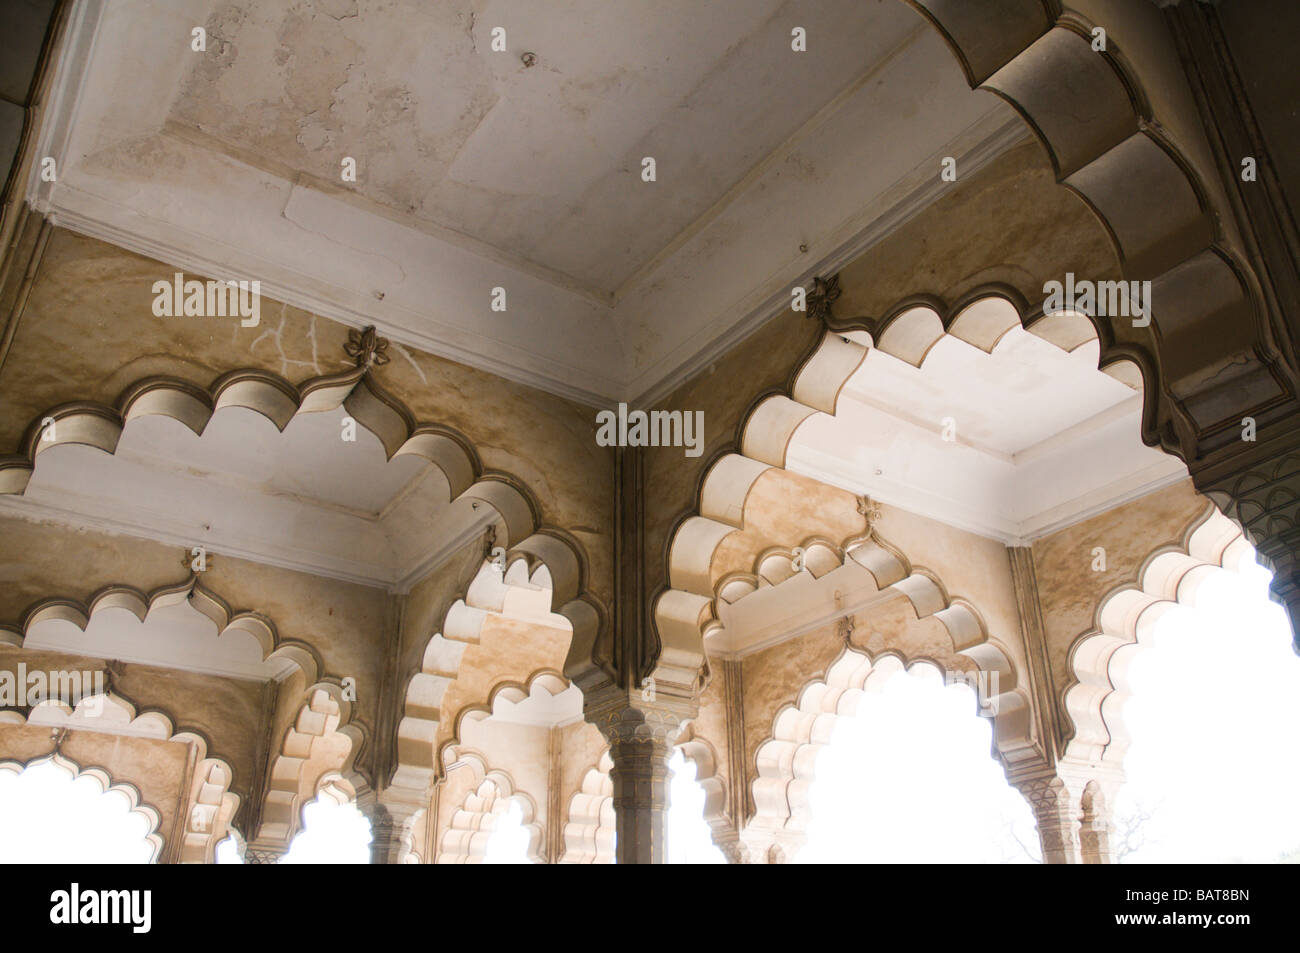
x=476, y=172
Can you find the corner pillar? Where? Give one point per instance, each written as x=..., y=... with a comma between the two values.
x=641, y=731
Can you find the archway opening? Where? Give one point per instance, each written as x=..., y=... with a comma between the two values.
x=50, y=813
x=509, y=840
x=910, y=778
x=1214, y=758
x=690, y=840
x=334, y=832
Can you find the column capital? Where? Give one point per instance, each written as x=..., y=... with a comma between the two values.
x=625, y=716
x=263, y=853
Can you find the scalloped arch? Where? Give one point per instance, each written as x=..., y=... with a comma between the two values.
x=139, y=604
x=699, y=752
x=685, y=611
x=589, y=831
x=366, y=401
x=785, y=764
x=706, y=569
x=1107, y=146
x=106, y=785
x=466, y=839
x=547, y=679
x=491, y=593
x=211, y=803
x=1125, y=622
x=325, y=713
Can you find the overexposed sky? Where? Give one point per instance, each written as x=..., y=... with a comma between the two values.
x=910, y=779
x=332, y=833
x=1215, y=724
x=48, y=817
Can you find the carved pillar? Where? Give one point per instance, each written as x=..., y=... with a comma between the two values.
x=641, y=730
x=640, y=775
x=1095, y=827
x=392, y=821
x=1073, y=810
x=263, y=854
x=1058, y=809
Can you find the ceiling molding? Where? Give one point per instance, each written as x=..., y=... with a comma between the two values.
x=994, y=134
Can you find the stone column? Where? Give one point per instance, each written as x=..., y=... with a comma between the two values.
x=640, y=775
x=1097, y=818
x=391, y=823
x=641, y=730
x=1058, y=809
x=264, y=853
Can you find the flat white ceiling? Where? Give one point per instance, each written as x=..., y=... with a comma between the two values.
x=475, y=172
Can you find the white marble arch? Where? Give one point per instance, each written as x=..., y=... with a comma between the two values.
x=106, y=785
x=466, y=839
x=1125, y=622
x=589, y=831
x=210, y=805
x=786, y=762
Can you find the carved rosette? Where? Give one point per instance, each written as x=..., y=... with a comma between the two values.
x=821, y=299
x=367, y=348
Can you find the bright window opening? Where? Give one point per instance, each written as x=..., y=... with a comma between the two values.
x=508, y=843
x=49, y=815
x=689, y=839
x=333, y=833
x=228, y=852
x=1214, y=760
x=910, y=778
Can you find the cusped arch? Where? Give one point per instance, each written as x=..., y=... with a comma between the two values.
x=590, y=828
x=785, y=764
x=698, y=751
x=521, y=588
x=211, y=804
x=1125, y=622
x=106, y=785
x=1107, y=145
x=322, y=721
x=369, y=404
x=736, y=481
x=466, y=839
x=206, y=601
x=707, y=568
x=548, y=680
